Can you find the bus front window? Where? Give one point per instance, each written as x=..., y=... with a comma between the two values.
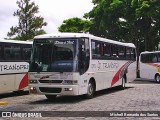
x=54, y=55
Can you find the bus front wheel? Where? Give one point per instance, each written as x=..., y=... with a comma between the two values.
x=157, y=78
x=90, y=90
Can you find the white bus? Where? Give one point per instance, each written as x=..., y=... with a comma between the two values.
x=14, y=65
x=78, y=63
x=149, y=65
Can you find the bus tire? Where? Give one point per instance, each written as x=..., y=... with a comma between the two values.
x=157, y=77
x=123, y=85
x=90, y=90
x=51, y=97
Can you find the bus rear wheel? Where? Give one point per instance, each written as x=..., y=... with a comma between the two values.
x=157, y=78
x=90, y=90
x=51, y=97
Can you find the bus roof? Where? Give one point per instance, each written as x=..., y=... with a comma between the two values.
x=16, y=41
x=147, y=52
x=77, y=35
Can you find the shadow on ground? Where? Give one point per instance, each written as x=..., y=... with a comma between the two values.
x=13, y=94
x=144, y=81
x=76, y=99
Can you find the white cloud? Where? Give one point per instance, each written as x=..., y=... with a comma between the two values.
x=7, y=8
x=53, y=11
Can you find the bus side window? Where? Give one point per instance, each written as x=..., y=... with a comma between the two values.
x=154, y=57
x=158, y=55
x=133, y=54
x=121, y=52
x=1, y=55
x=26, y=52
x=7, y=52
x=146, y=58
x=107, y=50
x=16, y=52
x=96, y=50
x=143, y=58
x=128, y=53
x=114, y=52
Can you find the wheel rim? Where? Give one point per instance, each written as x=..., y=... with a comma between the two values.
x=123, y=83
x=90, y=89
x=158, y=78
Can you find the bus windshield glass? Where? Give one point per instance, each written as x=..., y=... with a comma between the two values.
x=54, y=55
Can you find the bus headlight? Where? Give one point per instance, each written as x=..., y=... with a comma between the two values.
x=68, y=89
x=33, y=81
x=70, y=82
x=32, y=90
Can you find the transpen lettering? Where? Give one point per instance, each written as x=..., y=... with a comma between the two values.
x=13, y=67
x=110, y=65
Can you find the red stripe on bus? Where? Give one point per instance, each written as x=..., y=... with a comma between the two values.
x=117, y=75
x=153, y=64
x=24, y=82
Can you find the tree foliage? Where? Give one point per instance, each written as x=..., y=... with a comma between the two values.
x=75, y=25
x=136, y=21
x=29, y=24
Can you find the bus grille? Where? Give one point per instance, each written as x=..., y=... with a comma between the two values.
x=50, y=81
x=50, y=90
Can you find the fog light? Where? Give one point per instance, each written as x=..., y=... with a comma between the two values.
x=68, y=89
x=33, y=81
x=32, y=90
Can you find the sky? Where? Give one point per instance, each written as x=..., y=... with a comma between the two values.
x=53, y=12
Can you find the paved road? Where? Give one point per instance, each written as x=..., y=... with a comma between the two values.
x=138, y=96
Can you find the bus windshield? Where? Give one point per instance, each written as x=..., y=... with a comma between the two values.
x=54, y=55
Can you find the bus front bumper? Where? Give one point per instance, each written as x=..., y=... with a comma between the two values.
x=54, y=90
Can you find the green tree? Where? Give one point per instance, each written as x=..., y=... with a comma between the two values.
x=136, y=21
x=148, y=14
x=75, y=25
x=29, y=24
x=106, y=18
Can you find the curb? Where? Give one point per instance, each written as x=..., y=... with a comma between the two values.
x=3, y=103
